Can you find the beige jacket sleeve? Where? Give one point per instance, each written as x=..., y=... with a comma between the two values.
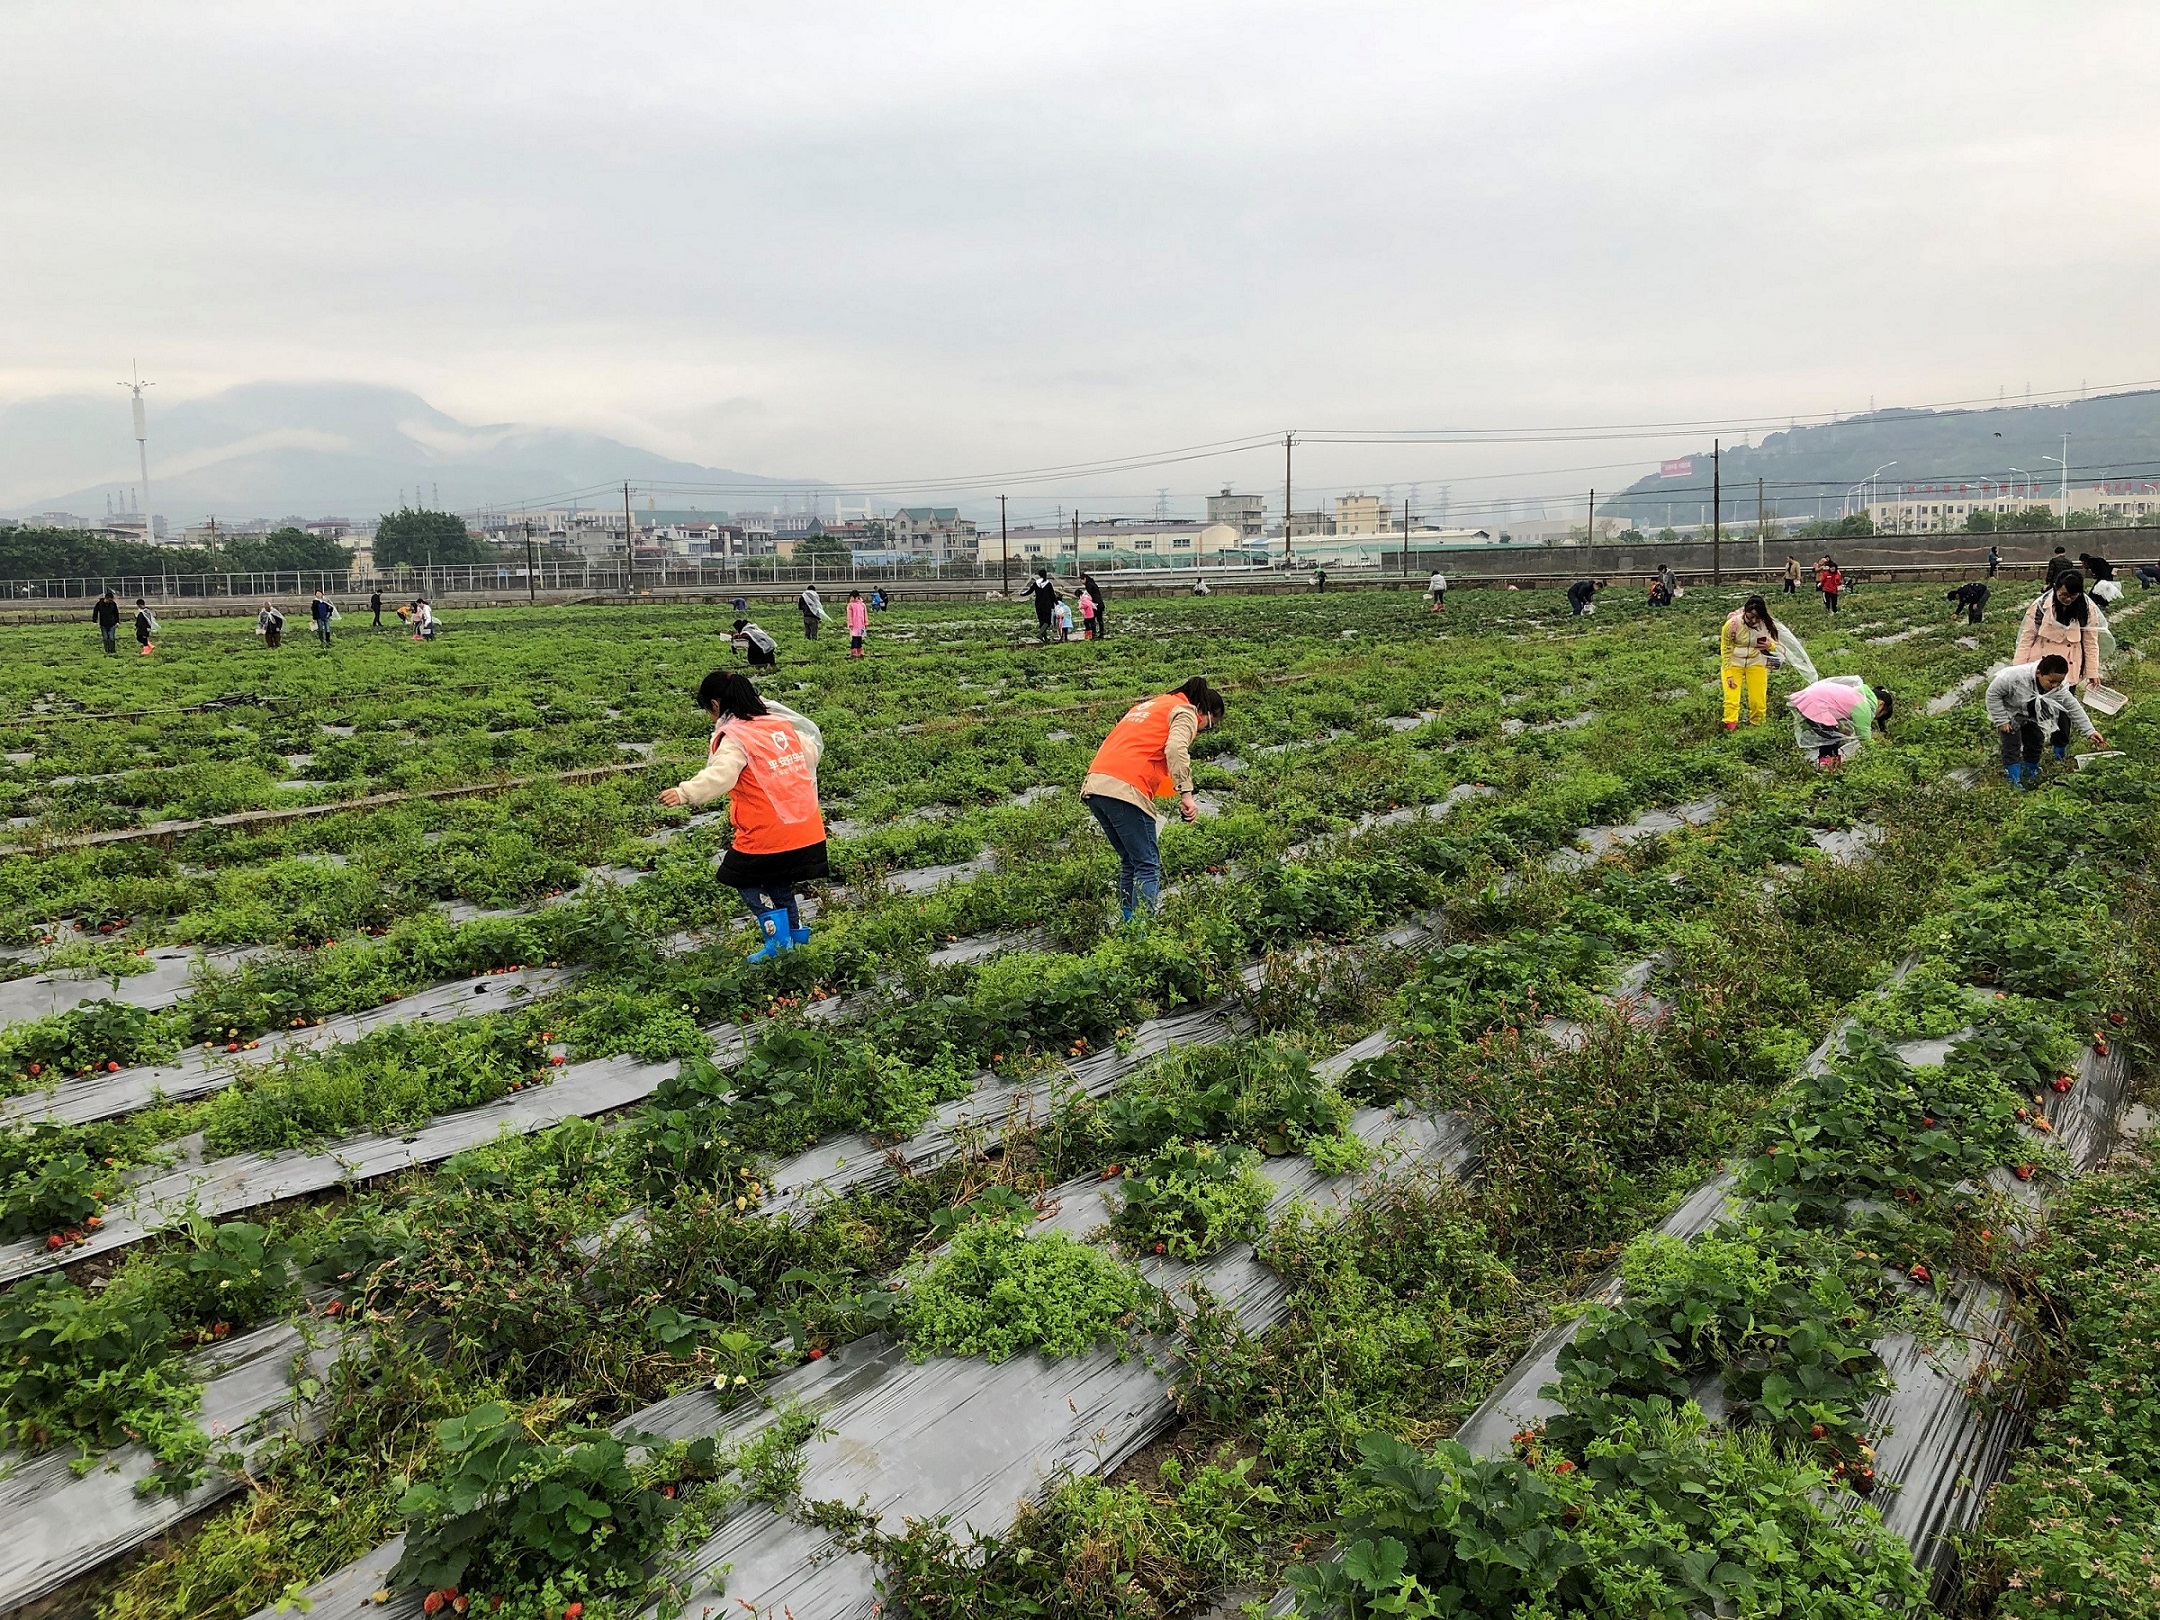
x=1177, y=750
x=717, y=779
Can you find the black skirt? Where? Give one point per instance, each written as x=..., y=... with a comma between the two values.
x=739, y=870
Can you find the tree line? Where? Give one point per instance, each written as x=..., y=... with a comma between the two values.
x=409, y=537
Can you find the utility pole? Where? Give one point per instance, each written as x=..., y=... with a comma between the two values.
x=1287, y=440
x=1762, y=529
x=1004, y=553
x=1589, y=529
x=1406, y=539
x=629, y=550
x=1076, y=542
x=2065, y=489
x=1717, y=512
x=532, y=588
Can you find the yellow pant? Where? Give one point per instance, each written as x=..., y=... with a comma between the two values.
x=1754, y=681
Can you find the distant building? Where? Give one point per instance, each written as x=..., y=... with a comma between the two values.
x=1360, y=514
x=1245, y=513
x=1946, y=508
x=699, y=541
x=1129, y=543
x=939, y=533
x=1310, y=523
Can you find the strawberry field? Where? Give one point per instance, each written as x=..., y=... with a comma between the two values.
x=1549, y=1155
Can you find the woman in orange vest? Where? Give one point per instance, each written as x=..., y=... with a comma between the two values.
x=1147, y=757
x=763, y=758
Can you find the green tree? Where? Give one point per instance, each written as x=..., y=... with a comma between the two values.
x=284, y=551
x=821, y=548
x=2028, y=520
x=1857, y=526
x=72, y=554
x=417, y=538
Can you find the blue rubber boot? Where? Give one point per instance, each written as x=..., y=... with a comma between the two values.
x=777, y=936
x=2032, y=776
x=2062, y=751
x=799, y=935
x=2014, y=775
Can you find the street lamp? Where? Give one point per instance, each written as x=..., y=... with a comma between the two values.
x=1869, y=481
x=2063, y=461
x=2022, y=476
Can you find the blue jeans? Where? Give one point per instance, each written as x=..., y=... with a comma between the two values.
x=1133, y=834
x=778, y=897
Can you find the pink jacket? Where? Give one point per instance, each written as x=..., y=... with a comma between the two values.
x=2041, y=633
x=858, y=617
x=1827, y=703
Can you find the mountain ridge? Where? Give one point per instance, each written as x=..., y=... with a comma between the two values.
x=1806, y=468
x=267, y=449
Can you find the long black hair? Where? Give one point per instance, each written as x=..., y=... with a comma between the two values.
x=2079, y=610
x=735, y=695
x=1761, y=609
x=1203, y=697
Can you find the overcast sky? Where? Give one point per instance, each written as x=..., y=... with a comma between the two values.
x=876, y=241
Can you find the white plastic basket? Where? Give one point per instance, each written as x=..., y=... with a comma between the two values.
x=2104, y=699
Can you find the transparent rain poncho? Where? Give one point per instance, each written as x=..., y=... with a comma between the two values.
x=1792, y=651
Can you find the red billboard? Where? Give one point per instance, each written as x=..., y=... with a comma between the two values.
x=1677, y=469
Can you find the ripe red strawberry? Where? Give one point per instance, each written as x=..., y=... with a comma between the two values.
x=2061, y=1083
x=2116, y=1019
x=432, y=1603
x=817, y=1352
x=2023, y=1172
x=1920, y=1274
x=2100, y=1046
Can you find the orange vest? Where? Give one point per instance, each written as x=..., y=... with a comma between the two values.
x=1134, y=752
x=774, y=805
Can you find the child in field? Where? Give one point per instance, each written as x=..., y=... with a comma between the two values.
x=1061, y=619
x=146, y=626
x=763, y=760
x=858, y=623
x=2033, y=705
x=1087, y=616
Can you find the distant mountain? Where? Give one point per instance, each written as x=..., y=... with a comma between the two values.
x=317, y=449
x=1809, y=468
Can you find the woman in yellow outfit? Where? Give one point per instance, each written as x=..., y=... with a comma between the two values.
x=1747, y=653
